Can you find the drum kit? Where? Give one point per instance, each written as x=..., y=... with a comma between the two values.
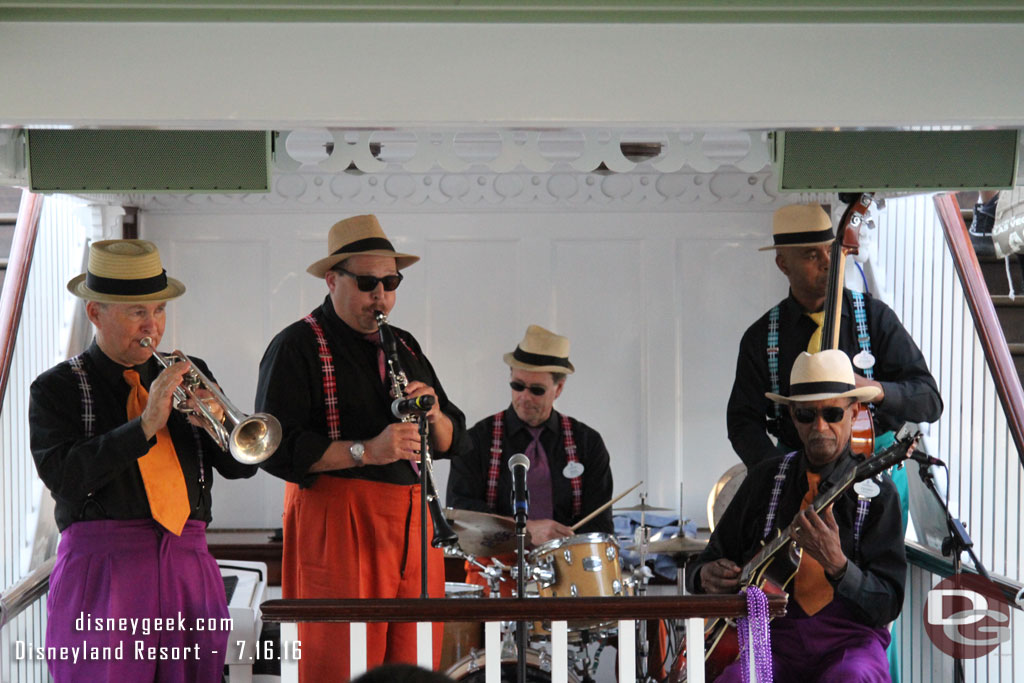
x=584, y=565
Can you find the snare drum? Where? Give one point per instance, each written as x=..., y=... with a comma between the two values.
x=461, y=638
x=538, y=668
x=586, y=565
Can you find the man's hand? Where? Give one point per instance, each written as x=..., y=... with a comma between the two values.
x=159, y=404
x=543, y=530
x=398, y=441
x=861, y=381
x=819, y=537
x=416, y=388
x=720, y=576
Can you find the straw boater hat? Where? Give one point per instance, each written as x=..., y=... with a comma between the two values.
x=355, y=236
x=821, y=376
x=541, y=351
x=800, y=225
x=125, y=271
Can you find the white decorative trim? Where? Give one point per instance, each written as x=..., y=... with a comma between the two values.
x=646, y=191
x=508, y=150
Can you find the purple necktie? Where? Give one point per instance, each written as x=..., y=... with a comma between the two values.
x=538, y=479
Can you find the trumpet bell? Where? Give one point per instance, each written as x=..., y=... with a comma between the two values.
x=255, y=438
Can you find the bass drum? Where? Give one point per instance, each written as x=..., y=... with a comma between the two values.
x=538, y=669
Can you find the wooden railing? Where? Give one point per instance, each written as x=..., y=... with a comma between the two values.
x=12, y=300
x=693, y=608
x=990, y=331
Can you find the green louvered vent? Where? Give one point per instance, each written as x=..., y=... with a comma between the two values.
x=148, y=161
x=895, y=160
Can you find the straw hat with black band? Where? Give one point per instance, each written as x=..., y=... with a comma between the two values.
x=358, y=236
x=127, y=272
x=822, y=376
x=800, y=225
x=541, y=351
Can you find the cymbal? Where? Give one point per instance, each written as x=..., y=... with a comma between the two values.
x=643, y=507
x=677, y=545
x=481, y=533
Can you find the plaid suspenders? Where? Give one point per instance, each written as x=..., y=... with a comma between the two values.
x=330, y=381
x=494, y=469
x=570, y=455
x=88, y=414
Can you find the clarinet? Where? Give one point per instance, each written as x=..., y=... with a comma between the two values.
x=444, y=535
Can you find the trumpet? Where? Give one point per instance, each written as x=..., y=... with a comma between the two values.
x=444, y=535
x=250, y=439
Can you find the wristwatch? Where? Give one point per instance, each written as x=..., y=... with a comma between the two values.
x=356, y=450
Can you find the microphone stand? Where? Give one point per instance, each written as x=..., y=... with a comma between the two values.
x=955, y=544
x=521, y=639
x=424, y=426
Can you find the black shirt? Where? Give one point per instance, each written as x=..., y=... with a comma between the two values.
x=872, y=587
x=910, y=391
x=467, y=481
x=291, y=388
x=98, y=478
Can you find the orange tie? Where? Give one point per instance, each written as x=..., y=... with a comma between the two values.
x=812, y=589
x=161, y=471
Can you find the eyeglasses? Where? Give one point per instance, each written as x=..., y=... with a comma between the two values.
x=368, y=283
x=832, y=414
x=534, y=389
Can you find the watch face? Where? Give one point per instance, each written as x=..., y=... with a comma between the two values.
x=356, y=450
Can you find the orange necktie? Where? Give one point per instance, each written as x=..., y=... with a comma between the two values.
x=812, y=589
x=161, y=471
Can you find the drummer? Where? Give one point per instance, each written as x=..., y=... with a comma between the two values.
x=569, y=475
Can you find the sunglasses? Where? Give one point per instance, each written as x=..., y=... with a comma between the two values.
x=832, y=414
x=518, y=386
x=368, y=283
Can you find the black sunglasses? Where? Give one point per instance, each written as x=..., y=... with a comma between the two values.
x=368, y=283
x=832, y=414
x=518, y=386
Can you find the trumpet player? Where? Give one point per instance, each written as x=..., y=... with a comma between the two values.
x=131, y=481
x=352, y=511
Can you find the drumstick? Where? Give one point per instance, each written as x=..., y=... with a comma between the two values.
x=604, y=507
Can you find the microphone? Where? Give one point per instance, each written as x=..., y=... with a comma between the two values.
x=519, y=464
x=401, y=407
x=926, y=459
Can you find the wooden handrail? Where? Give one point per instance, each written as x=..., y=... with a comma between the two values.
x=512, y=609
x=16, y=282
x=990, y=331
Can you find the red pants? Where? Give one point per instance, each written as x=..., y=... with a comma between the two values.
x=350, y=538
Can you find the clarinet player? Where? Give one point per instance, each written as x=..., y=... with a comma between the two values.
x=352, y=499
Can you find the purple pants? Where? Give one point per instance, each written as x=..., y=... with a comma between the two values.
x=829, y=647
x=131, y=602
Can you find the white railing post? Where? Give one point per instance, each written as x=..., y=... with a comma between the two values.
x=695, y=650
x=627, y=650
x=289, y=665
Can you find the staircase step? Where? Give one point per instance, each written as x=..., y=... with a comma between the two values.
x=1011, y=316
x=1017, y=351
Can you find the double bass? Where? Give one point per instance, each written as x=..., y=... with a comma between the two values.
x=862, y=439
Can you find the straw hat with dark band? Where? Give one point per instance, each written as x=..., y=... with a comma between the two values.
x=541, y=351
x=125, y=271
x=821, y=376
x=801, y=225
x=355, y=236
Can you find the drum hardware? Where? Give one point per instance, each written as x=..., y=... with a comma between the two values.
x=250, y=439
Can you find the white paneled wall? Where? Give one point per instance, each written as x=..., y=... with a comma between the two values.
x=654, y=304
